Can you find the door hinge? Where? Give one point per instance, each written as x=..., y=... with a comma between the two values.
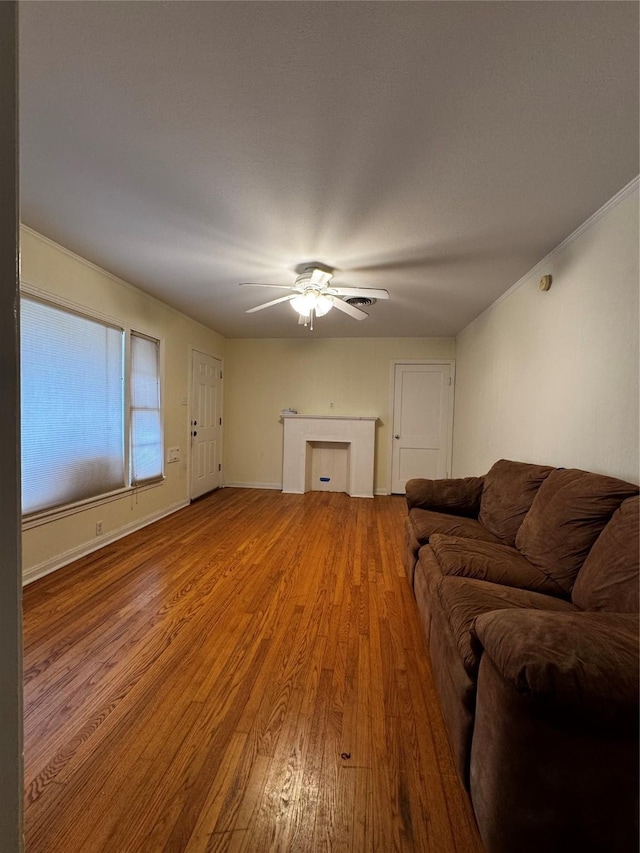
x=219, y=421
x=219, y=466
x=449, y=380
x=220, y=374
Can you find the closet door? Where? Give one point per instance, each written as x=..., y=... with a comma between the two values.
x=422, y=423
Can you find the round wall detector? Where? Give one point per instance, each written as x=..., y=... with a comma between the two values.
x=545, y=282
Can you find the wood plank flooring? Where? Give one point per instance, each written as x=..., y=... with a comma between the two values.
x=248, y=674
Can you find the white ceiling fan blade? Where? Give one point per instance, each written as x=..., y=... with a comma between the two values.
x=356, y=313
x=320, y=277
x=269, y=304
x=371, y=292
x=259, y=284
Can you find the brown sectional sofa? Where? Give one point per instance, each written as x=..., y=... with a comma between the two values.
x=526, y=582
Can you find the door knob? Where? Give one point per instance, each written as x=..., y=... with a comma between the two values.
x=396, y=436
x=194, y=433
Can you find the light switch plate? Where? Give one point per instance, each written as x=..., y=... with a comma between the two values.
x=173, y=454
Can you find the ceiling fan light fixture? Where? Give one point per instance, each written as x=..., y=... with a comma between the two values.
x=310, y=301
x=303, y=304
x=324, y=304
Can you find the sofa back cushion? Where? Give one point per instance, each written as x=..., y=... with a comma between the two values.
x=508, y=492
x=608, y=580
x=565, y=519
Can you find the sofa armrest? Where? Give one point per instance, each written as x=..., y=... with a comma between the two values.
x=456, y=496
x=577, y=667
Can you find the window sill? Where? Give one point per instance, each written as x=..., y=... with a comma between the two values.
x=46, y=516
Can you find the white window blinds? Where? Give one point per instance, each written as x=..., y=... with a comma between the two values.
x=146, y=421
x=72, y=407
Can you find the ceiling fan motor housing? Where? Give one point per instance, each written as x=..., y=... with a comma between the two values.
x=313, y=277
x=303, y=280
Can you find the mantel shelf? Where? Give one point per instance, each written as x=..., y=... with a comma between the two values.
x=334, y=417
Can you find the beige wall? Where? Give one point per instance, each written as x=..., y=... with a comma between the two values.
x=265, y=376
x=548, y=377
x=62, y=274
x=553, y=377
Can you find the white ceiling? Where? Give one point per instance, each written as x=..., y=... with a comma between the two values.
x=438, y=150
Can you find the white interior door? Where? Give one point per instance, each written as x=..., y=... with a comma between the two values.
x=422, y=423
x=206, y=424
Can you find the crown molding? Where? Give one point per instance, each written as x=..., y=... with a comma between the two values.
x=107, y=274
x=630, y=188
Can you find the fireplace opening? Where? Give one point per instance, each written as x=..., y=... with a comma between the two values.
x=327, y=466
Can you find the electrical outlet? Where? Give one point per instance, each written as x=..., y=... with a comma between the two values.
x=98, y=528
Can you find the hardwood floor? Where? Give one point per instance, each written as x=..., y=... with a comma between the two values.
x=248, y=674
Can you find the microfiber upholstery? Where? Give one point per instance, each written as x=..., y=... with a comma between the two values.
x=490, y=561
x=544, y=784
x=580, y=666
x=461, y=600
x=530, y=611
x=441, y=506
x=566, y=517
x=507, y=494
x=608, y=580
x=456, y=496
x=425, y=523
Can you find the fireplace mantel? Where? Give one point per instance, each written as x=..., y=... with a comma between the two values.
x=286, y=416
x=356, y=432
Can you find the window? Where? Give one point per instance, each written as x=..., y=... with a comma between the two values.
x=146, y=423
x=81, y=437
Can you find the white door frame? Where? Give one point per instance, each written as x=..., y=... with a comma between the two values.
x=451, y=363
x=193, y=348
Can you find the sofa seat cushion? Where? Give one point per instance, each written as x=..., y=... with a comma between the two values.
x=608, y=580
x=424, y=523
x=508, y=492
x=462, y=600
x=490, y=561
x=578, y=667
x=566, y=517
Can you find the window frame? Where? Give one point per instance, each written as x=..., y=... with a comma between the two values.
x=39, y=294
x=130, y=334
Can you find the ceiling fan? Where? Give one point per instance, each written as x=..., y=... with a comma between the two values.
x=313, y=296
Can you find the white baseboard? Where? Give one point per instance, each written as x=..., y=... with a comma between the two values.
x=60, y=560
x=277, y=486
